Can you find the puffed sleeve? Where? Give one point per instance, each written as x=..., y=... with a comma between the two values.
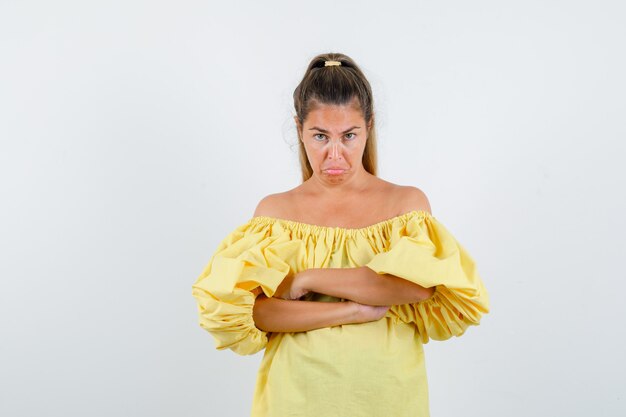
x=423, y=251
x=253, y=255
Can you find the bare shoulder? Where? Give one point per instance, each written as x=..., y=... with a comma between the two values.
x=403, y=198
x=412, y=198
x=273, y=205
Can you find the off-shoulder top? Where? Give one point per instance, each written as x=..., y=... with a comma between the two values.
x=343, y=370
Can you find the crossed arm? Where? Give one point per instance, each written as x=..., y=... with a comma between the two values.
x=364, y=286
x=359, y=285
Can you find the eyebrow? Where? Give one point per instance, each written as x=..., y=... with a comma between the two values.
x=326, y=131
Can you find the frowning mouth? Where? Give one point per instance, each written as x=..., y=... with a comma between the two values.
x=334, y=171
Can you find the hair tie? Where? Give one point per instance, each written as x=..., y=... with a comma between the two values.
x=331, y=63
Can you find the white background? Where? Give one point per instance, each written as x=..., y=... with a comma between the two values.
x=136, y=135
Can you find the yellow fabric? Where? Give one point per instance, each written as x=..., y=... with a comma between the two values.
x=366, y=369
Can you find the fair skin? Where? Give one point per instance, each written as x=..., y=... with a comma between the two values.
x=334, y=138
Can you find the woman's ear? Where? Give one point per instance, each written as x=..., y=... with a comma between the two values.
x=370, y=124
x=298, y=127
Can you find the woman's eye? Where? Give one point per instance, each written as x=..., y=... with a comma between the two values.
x=353, y=135
x=316, y=137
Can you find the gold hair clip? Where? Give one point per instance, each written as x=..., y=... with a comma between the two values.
x=330, y=63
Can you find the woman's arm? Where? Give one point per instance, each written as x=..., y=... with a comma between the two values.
x=278, y=315
x=363, y=285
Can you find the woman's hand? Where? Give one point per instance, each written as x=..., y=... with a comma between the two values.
x=293, y=287
x=366, y=312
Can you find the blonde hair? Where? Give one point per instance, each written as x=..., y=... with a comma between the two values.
x=338, y=85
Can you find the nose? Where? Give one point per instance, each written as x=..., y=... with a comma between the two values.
x=335, y=152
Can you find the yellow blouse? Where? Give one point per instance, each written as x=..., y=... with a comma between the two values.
x=358, y=370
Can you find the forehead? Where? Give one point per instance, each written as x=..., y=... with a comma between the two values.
x=335, y=115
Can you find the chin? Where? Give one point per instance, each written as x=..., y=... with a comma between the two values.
x=335, y=178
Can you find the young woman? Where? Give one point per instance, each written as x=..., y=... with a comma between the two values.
x=342, y=278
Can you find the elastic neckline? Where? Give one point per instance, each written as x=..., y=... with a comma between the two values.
x=294, y=223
